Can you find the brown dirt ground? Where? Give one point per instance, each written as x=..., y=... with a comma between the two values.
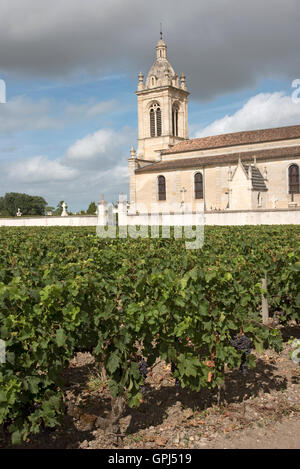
x=260, y=410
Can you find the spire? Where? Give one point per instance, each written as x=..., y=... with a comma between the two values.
x=161, y=47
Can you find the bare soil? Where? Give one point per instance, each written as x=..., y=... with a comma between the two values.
x=259, y=410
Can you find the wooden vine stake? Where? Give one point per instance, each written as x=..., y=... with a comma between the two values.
x=264, y=303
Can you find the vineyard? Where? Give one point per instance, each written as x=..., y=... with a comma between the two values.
x=130, y=302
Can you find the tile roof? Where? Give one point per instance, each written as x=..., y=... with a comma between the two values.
x=228, y=158
x=258, y=182
x=236, y=138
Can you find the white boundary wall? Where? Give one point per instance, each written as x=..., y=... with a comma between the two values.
x=259, y=217
x=50, y=221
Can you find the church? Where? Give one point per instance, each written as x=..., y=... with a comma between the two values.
x=241, y=171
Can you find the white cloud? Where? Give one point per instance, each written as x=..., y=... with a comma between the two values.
x=88, y=110
x=40, y=169
x=262, y=111
x=22, y=113
x=93, y=165
x=91, y=145
x=104, y=144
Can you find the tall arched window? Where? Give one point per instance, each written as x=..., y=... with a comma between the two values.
x=155, y=120
x=161, y=188
x=198, y=180
x=294, y=179
x=175, y=120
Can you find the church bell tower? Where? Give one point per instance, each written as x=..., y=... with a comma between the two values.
x=162, y=107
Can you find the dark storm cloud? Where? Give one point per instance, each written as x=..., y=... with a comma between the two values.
x=221, y=45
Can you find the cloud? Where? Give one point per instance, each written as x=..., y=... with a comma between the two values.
x=91, y=145
x=91, y=109
x=93, y=165
x=220, y=46
x=22, y=113
x=265, y=110
x=40, y=169
x=102, y=147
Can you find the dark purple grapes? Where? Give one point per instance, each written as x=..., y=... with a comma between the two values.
x=143, y=368
x=243, y=344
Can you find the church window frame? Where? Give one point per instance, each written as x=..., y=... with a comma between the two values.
x=198, y=186
x=293, y=179
x=155, y=120
x=161, y=188
x=175, y=114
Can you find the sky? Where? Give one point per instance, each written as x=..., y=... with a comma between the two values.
x=71, y=72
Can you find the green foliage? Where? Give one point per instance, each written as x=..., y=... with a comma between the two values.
x=92, y=209
x=64, y=289
x=59, y=208
x=28, y=204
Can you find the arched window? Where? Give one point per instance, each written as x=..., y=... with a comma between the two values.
x=155, y=120
x=175, y=120
x=161, y=188
x=294, y=179
x=198, y=186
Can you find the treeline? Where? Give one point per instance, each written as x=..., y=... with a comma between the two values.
x=34, y=205
x=28, y=204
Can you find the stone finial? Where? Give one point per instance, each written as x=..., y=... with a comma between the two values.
x=254, y=160
x=250, y=172
x=239, y=160
x=132, y=152
x=265, y=174
x=182, y=81
x=175, y=80
x=141, y=85
x=167, y=77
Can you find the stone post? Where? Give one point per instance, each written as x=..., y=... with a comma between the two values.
x=122, y=210
x=102, y=212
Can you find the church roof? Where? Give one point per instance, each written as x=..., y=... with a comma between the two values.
x=236, y=138
x=258, y=182
x=225, y=158
x=159, y=70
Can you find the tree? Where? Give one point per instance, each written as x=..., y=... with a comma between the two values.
x=59, y=208
x=28, y=204
x=92, y=209
x=3, y=211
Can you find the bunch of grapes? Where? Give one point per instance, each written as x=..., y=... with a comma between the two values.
x=143, y=369
x=242, y=343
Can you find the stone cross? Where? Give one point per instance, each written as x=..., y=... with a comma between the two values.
x=64, y=211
